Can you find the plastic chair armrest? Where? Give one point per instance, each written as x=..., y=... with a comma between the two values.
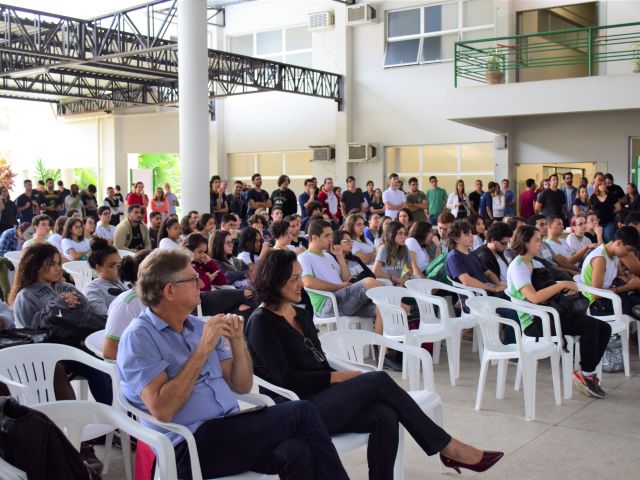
x=275, y=389
x=340, y=363
x=255, y=399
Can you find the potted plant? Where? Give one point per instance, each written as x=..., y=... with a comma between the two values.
x=493, y=68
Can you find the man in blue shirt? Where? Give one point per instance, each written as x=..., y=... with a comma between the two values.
x=509, y=199
x=185, y=370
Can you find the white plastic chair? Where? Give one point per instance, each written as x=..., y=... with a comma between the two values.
x=72, y=417
x=456, y=325
x=80, y=271
x=344, y=442
x=14, y=257
x=568, y=355
x=351, y=346
x=9, y=472
x=527, y=353
x=125, y=253
x=618, y=321
x=184, y=432
x=396, y=327
x=28, y=372
x=95, y=342
x=342, y=322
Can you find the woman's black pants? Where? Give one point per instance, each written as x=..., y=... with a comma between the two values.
x=375, y=404
x=594, y=336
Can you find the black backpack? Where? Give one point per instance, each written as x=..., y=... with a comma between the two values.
x=564, y=303
x=30, y=441
x=70, y=326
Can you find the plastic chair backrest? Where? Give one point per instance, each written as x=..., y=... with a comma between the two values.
x=484, y=309
x=14, y=257
x=95, y=342
x=80, y=271
x=388, y=300
x=28, y=369
x=347, y=344
x=125, y=253
x=616, y=302
x=72, y=416
x=425, y=288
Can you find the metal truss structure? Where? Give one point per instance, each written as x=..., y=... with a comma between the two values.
x=129, y=58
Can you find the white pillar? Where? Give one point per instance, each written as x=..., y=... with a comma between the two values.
x=194, y=119
x=344, y=120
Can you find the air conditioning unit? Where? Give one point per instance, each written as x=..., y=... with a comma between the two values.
x=361, y=13
x=361, y=152
x=323, y=153
x=320, y=21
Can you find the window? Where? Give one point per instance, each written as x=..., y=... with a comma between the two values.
x=270, y=165
x=290, y=45
x=450, y=162
x=428, y=34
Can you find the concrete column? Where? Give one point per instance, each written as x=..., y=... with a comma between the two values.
x=193, y=107
x=343, y=63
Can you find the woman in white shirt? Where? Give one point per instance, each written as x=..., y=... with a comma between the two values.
x=497, y=203
x=74, y=245
x=169, y=234
x=420, y=235
x=458, y=202
x=362, y=248
x=252, y=247
x=577, y=241
x=56, y=237
x=478, y=227
x=104, y=229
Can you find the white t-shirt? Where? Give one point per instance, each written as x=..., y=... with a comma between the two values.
x=324, y=266
x=497, y=205
x=364, y=247
x=575, y=243
x=55, y=239
x=610, y=271
x=518, y=277
x=246, y=257
x=477, y=242
x=104, y=232
x=32, y=241
x=168, y=243
x=422, y=259
x=124, y=308
x=67, y=244
x=559, y=247
x=395, y=197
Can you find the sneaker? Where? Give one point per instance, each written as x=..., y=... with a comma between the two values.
x=88, y=454
x=587, y=385
x=596, y=381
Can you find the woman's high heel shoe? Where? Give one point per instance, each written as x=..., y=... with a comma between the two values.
x=489, y=459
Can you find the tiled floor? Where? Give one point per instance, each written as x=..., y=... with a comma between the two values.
x=583, y=438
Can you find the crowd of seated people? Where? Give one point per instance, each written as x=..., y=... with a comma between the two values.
x=250, y=261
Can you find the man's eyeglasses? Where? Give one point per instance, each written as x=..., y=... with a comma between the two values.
x=319, y=356
x=505, y=244
x=195, y=280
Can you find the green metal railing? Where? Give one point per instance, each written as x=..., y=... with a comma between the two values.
x=579, y=49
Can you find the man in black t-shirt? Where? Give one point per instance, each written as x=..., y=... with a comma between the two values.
x=28, y=203
x=50, y=200
x=352, y=197
x=474, y=197
x=552, y=200
x=284, y=198
x=256, y=197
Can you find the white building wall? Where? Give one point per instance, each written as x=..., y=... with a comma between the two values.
x=599, y=137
